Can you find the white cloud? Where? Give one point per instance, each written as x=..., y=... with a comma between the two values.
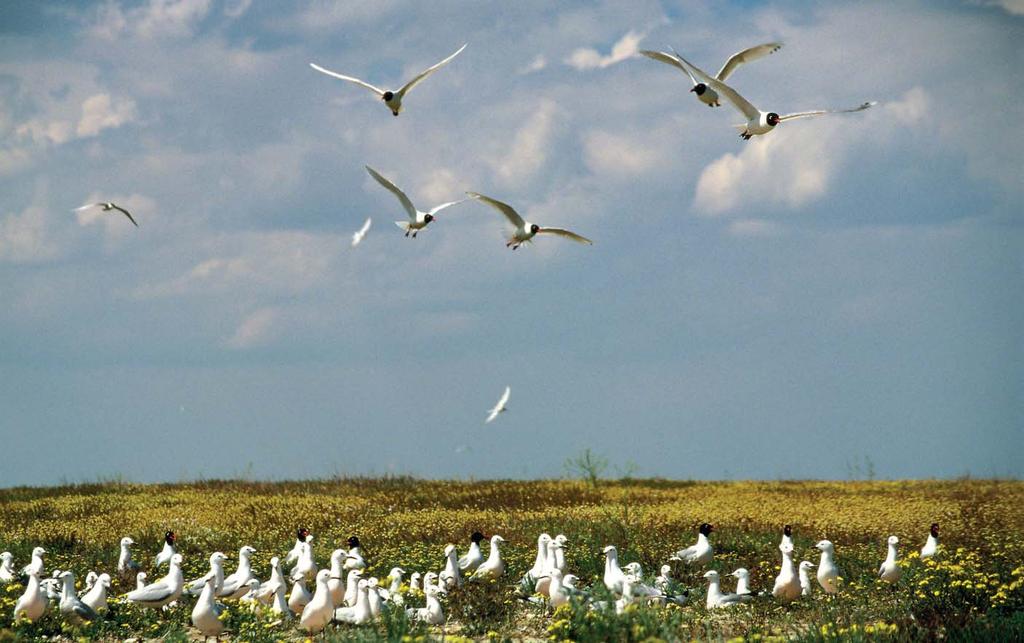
x=795, y=164
x=43, y=132
x=528, y=150
x=99, y=112
x=537, y=64
x=156, y=18
x=25, y=236
x=254, y=330
x=1015, y=7
x=588, y=58
x=236, y=8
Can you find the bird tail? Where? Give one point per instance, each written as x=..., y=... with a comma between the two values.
x=403, y=225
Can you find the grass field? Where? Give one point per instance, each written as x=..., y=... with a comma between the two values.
x=974, y=589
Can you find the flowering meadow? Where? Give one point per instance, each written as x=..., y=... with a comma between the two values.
x=972, y=589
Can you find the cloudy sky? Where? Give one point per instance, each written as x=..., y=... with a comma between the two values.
x=841, y=296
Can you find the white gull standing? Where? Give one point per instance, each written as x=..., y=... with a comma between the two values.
x=828, y=571
x=164, y=591
x=890, y=570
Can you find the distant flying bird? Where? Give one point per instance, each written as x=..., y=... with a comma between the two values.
x=759, y=122
x=417, y=219
x=357, y=237
x=524, y=230
x=106, y=208
x=500, y=406
x=392, y=99
x=705, y=95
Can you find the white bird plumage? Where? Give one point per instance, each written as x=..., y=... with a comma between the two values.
x=525, y=231
x=828, y=571
x=164, y=591
x=704, y=94
x=393, y=99
x=357, y=236
x=500, y=407
x=890, y=570
x=417, y=219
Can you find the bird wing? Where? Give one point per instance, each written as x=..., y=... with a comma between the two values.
x=84, y=611
x=406, y=203
x=568, y=234
x=150, y=593
x=87, y=206
x=375, y=90
x=746, y=56
x=668, y=59
x=740, y=103
x=820, y=112
x=504, y=397
x=426, y=72
x=133, y=564
x=437, y=209
x=357, y=237
x=504, y=208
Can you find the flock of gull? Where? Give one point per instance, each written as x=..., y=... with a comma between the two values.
x=708, y=89
x=341, y=594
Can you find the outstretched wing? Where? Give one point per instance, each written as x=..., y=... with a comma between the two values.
x=740, y=103
x=406, y=203
x=87, y=206
x=668, y=59
x=821, y=112
x=568, y=234
x=357, y=237
x=746, y=56
x=426, y=72
x=503, y=208
x=437, y=209
x=133, y=565
x=375, y=90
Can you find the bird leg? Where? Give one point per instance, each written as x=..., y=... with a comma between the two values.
x=413, y=235
x=407, y=233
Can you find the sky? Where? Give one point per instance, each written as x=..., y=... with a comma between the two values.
x=837, y=299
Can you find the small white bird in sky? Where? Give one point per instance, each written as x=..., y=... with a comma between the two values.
x=759, y=122
x=417, y=219
x=106, y=208
x=500, y=407
x=357, y=236
x=524, y=230
x=393, y=99
x=704, y=94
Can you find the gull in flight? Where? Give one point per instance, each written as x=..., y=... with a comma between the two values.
x=524, y=230
x=106, y=208
x=500, y=407
x=357, y=237
x=759, y=122
x=393, y=99
x=705, y=94
x=417, y=220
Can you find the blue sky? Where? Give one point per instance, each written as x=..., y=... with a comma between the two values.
x=846, y=289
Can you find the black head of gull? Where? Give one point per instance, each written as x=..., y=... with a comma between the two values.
x=477, y=537
x=934, y=529
x=699, y=89
x=706, y=529
x=302, y=534
x=534, y=228
x=428, y=218
x=773, y=119
x=387, y=96
x=787, y=530
x=353, y=541
x=169, y=537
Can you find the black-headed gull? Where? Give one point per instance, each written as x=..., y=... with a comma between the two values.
x=716, y=598
x=357, y=236
x=317, y=613
x=706, y=95
x=207, y=611
x=474, y=556
x=759, y=122
x=787, y=536
x=787, y=583
x=301, y=536
x=71, y=607
x=108, y=206
x=828, y=571
x=164, y=591
x=305, y=567
x=393, y=99
x=32, y=602
x=354, y=558
x=699, y=553
x=164, y=557
x=932, y=544
x=524, y=230
x=494, y=566
x=890, y=570
x=500, y=407
x=417, y=219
